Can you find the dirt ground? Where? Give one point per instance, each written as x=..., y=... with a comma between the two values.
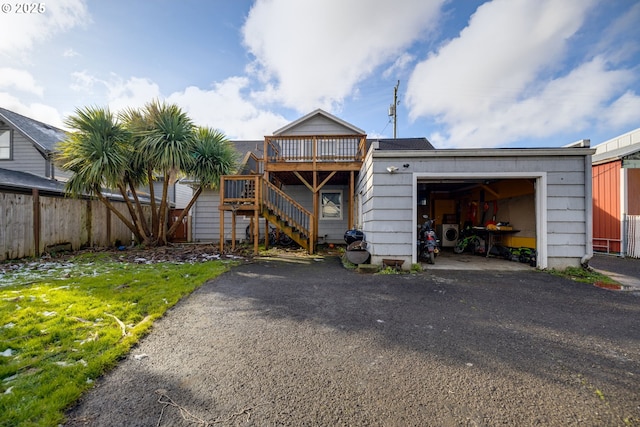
x=298, y=341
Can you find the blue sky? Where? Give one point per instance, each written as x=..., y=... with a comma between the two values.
x=501, y=73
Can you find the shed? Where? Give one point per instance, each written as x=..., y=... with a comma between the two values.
x=616, y=186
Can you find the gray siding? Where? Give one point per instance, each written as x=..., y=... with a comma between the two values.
x=388, y=199
x=318, y=125
x=25, y=157
x=205, y=221
x=329, y=230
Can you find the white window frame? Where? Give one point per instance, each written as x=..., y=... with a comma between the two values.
x=340, y=205
x=6, y=138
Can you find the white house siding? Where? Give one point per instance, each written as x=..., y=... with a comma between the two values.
x=562, y=215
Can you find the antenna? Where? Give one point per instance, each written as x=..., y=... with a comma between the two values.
x=393, y=111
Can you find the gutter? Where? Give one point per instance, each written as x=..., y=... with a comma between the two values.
x=488, y=152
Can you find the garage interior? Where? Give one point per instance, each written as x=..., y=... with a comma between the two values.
x=501, y=212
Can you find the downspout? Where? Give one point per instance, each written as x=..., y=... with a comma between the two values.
x=588, y=197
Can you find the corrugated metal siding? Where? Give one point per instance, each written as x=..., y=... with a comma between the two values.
x=606, y=206
x=633, y=191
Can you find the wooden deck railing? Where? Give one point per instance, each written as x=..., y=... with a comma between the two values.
x=252, y=192
x=288, y=210
x=337, y=148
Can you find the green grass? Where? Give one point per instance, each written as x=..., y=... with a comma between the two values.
x=583, y=275
x=62, y=330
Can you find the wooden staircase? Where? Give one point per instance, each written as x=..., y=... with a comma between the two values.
x=253, y=196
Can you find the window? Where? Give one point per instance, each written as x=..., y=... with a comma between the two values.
x=5, y=144
x=331, y=204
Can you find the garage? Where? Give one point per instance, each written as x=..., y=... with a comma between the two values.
x=539, y=196
x=492, y=217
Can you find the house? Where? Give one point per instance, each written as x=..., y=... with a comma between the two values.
x=35, y=214
x=27, y=145
x=320, y=176
x=616, y=186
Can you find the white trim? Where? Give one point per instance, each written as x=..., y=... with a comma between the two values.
x=540, y=201
x=341, y=205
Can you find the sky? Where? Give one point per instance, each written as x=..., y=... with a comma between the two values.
x=469, y=74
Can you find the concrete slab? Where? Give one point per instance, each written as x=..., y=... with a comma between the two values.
x=447, y=260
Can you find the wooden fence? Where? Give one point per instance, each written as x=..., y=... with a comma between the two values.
x=32, y=224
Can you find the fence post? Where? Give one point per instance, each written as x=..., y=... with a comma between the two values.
x=36, y=221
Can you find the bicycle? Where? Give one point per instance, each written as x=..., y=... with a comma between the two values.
x=468, y=241
x=276, y=237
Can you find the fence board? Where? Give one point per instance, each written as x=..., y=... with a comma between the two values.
x=63, y=221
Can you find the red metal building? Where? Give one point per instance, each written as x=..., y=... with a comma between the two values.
x=616, y=195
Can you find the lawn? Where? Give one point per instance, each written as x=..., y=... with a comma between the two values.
x=64, y=325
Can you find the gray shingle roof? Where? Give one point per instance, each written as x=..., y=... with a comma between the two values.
x=404, y=144
x=44, y=136
x=23, y=181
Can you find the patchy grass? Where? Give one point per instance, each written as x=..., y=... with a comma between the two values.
x=65, y=325
x=585, y=275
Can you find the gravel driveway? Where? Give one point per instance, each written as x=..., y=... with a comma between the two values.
x=301, y=342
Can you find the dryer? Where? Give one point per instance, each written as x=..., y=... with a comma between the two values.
x=448, y=234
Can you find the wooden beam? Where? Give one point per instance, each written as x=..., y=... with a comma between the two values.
x=326, y=180
x=490, y=190
x=351, y=199
x=304, y=181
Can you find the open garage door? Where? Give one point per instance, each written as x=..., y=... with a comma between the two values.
x=502, y=210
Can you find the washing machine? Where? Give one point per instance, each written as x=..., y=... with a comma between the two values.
x=448, y=234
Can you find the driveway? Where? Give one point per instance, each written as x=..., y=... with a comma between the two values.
x=302, y=342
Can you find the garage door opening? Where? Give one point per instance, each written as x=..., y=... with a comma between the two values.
x=501, y=211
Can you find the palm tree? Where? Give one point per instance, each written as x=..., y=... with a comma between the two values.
x=97, y=152
x=213, y=156
x=168, y=146
x=127, y=154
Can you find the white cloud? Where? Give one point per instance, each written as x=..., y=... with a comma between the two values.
x=225, y=107
x=36, y=111
x=70, y=53
x=315, y=53
x=20, y=31
x=134, y=92
x=400, y=64
x=493, y=83
x=20, y=80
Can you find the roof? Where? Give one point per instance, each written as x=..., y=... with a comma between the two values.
x=44, y=136
x=402, y=144
x=319, y=112
x=23, y=181
x=618, y=147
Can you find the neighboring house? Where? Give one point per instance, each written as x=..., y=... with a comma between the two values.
x=616, y=200
x=320, y=176
x=27, y=145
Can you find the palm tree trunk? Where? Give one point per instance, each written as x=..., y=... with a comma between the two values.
x=152, y=194
x=122, y=218
x=162, y=212
x=132, y=212
x=143, y=220
x=185, y=211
